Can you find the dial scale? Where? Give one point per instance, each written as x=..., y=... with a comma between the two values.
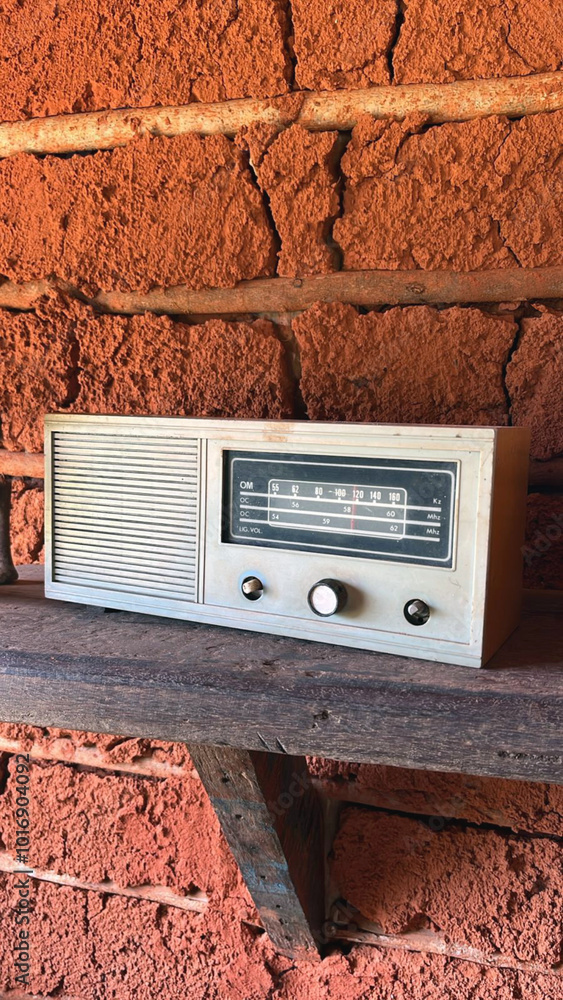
x=398, y=538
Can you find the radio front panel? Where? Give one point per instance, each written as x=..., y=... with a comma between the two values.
x=392, y=511
x=394, y=538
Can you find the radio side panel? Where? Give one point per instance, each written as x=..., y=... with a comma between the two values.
x=507, y=532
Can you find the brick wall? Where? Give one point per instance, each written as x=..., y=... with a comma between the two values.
x=137, y=894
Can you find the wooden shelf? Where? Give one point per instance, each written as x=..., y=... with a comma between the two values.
x=251, y=707
x=134, y=675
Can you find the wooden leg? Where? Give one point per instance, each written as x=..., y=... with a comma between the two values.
x=271, y=818
x=8, y=572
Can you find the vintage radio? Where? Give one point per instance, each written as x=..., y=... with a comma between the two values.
x=385, y=537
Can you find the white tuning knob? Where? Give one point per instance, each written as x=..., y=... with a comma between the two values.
x=327, y=597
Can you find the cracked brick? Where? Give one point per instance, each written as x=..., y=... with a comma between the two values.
x=343, y=44
x=530, y=202
x=406, y=365
x=157, y=212
x=483, y=889
x=370, y=973
x=88, y=945
x=464, y=195
x=88, y=55
x=130, y=830
x=36, y=371
x=534, y=378
x=298, y=173
x=66, y=356
x=477, y=39
x=150, y=364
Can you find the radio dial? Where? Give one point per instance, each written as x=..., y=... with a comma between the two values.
x=327, y=598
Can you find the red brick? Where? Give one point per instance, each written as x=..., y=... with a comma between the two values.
x=464, y=195
x=87, y=945
x=130, y=830
x=298, y=174
x=26, y=523
x=473, y=39
x=150, y=364
x=534, y=379
x=68, y=356
x=543, y=551
x=375, y=974
x=411, y=365
x=157, y=212
x=481, y=888
x=36, y=371
x=342, y=44
x=529, y=205
x=83, y=56
x=92, y=946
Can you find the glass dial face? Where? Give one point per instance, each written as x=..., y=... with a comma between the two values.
x=396, y=510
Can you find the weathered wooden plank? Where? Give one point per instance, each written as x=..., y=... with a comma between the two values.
x=135, y=675
x=271, y=820
x=460, y=101
x=281, y=295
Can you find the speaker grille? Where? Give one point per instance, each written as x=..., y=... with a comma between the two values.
x=125, y=513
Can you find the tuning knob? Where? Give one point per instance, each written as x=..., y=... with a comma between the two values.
x=327, y=597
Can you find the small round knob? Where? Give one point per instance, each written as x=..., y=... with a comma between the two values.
x=417, y=612
x=327, y=597
x=252, y=588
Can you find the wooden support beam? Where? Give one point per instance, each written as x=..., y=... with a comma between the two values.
x=282, y=295
x=8, y=572
x=271, y=819
x=460, y=101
